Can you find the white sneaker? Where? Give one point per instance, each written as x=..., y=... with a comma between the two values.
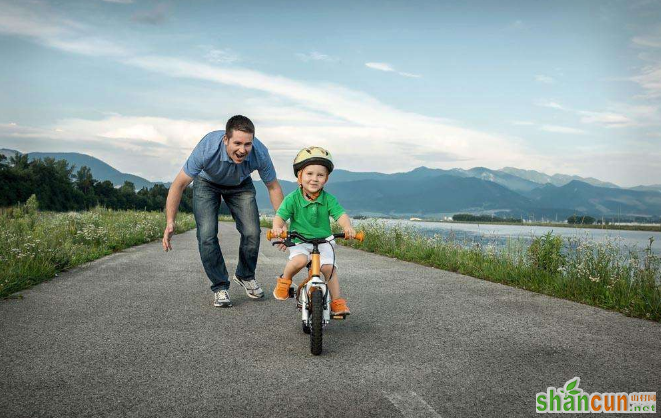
x=251, y=287
x=222, y=299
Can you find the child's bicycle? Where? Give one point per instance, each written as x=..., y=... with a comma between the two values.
x=312, y=295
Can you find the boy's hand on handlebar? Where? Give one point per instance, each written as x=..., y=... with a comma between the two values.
x=349, y=233
x=276, y=232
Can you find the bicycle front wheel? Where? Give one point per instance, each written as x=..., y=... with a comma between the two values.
x=316, y=321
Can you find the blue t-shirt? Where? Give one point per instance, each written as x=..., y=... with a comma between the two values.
x=210, y=161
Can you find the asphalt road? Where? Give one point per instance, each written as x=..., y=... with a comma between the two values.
x=136, y=334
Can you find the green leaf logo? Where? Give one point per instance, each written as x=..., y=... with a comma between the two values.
x=572, y=385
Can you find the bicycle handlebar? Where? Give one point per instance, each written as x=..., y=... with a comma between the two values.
x=360, y=236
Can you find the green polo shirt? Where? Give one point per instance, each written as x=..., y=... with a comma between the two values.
x=310, y=219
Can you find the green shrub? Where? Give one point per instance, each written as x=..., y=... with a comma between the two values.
x=545, y=253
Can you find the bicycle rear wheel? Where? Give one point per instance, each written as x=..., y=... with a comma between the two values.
x=316, y=319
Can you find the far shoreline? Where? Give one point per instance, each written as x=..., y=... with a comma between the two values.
x=651, y=228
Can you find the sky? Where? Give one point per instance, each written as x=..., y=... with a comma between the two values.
x=569, y=87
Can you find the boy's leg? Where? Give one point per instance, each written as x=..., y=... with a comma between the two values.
x=334, y=284
x=294, y=265
x=206, y=201
x=338, y=304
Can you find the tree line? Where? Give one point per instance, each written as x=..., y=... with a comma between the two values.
x=58, y=188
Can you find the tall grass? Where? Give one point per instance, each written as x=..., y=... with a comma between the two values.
x=598, y=274
x=35, y=246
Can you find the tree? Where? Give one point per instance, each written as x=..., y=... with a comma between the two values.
x=84, y=180
x=19, y=161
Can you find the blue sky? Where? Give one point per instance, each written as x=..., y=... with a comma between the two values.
x=556, y=86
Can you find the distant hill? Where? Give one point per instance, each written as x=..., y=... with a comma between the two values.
x=556, y=179
x=510, y=181
x=430, y=192
x=8, y=152
x=100, y=170
x=597, y=201
x=650, y=188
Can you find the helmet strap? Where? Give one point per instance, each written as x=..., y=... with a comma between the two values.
x=309, y=196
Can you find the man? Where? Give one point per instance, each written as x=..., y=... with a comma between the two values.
x=221, y=164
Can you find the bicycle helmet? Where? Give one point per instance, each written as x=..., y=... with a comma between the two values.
x=313, y=155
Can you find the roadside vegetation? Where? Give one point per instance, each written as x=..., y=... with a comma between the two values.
x=597, y=274
x=36, y=245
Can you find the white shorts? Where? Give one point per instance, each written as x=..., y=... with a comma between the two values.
x=326, y=251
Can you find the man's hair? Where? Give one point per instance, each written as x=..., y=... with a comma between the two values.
x=239, y=123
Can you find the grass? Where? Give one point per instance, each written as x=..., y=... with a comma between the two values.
x=593, y=273
x=35, y=246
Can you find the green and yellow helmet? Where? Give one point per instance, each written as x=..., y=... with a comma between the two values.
x=313, y=155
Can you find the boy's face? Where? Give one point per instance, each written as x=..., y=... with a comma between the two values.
x=313, y=178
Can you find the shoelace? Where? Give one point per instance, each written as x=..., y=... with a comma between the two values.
x=222, y=295
x=252, y=284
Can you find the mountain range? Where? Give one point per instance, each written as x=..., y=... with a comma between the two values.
x=428, y=192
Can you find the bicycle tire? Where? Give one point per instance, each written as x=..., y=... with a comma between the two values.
x=316, y=318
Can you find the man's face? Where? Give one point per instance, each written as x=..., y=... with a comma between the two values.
x=238, y=146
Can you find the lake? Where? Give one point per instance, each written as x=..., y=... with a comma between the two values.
x=498, y=235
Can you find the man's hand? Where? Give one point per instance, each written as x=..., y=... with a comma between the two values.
x=167, y=234
x=349, y=233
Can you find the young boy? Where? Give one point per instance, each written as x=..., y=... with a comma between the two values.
x=309, y=208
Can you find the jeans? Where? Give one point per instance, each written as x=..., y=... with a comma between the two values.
x=243, y=207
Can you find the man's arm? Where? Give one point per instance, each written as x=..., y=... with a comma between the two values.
x=172, y=205
x=275, y=194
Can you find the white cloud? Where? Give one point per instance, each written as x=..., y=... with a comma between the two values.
x=552, y=105
x=522, y=123
x=44, y=26
x=650, y=80
x=381, y=66
x=544, y=79
x=562, y=129
x=607, y=119
x=222, y=56
x=617, y=115
x=649, y=77
x=315, y=56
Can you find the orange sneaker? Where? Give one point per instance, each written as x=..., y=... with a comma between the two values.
x=281, y=291
x=339, y=307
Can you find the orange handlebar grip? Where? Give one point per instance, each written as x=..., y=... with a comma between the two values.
x=270, y=236
x=360, y=236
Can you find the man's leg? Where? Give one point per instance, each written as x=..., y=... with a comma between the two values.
x=206, y=201
x=243, y=206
